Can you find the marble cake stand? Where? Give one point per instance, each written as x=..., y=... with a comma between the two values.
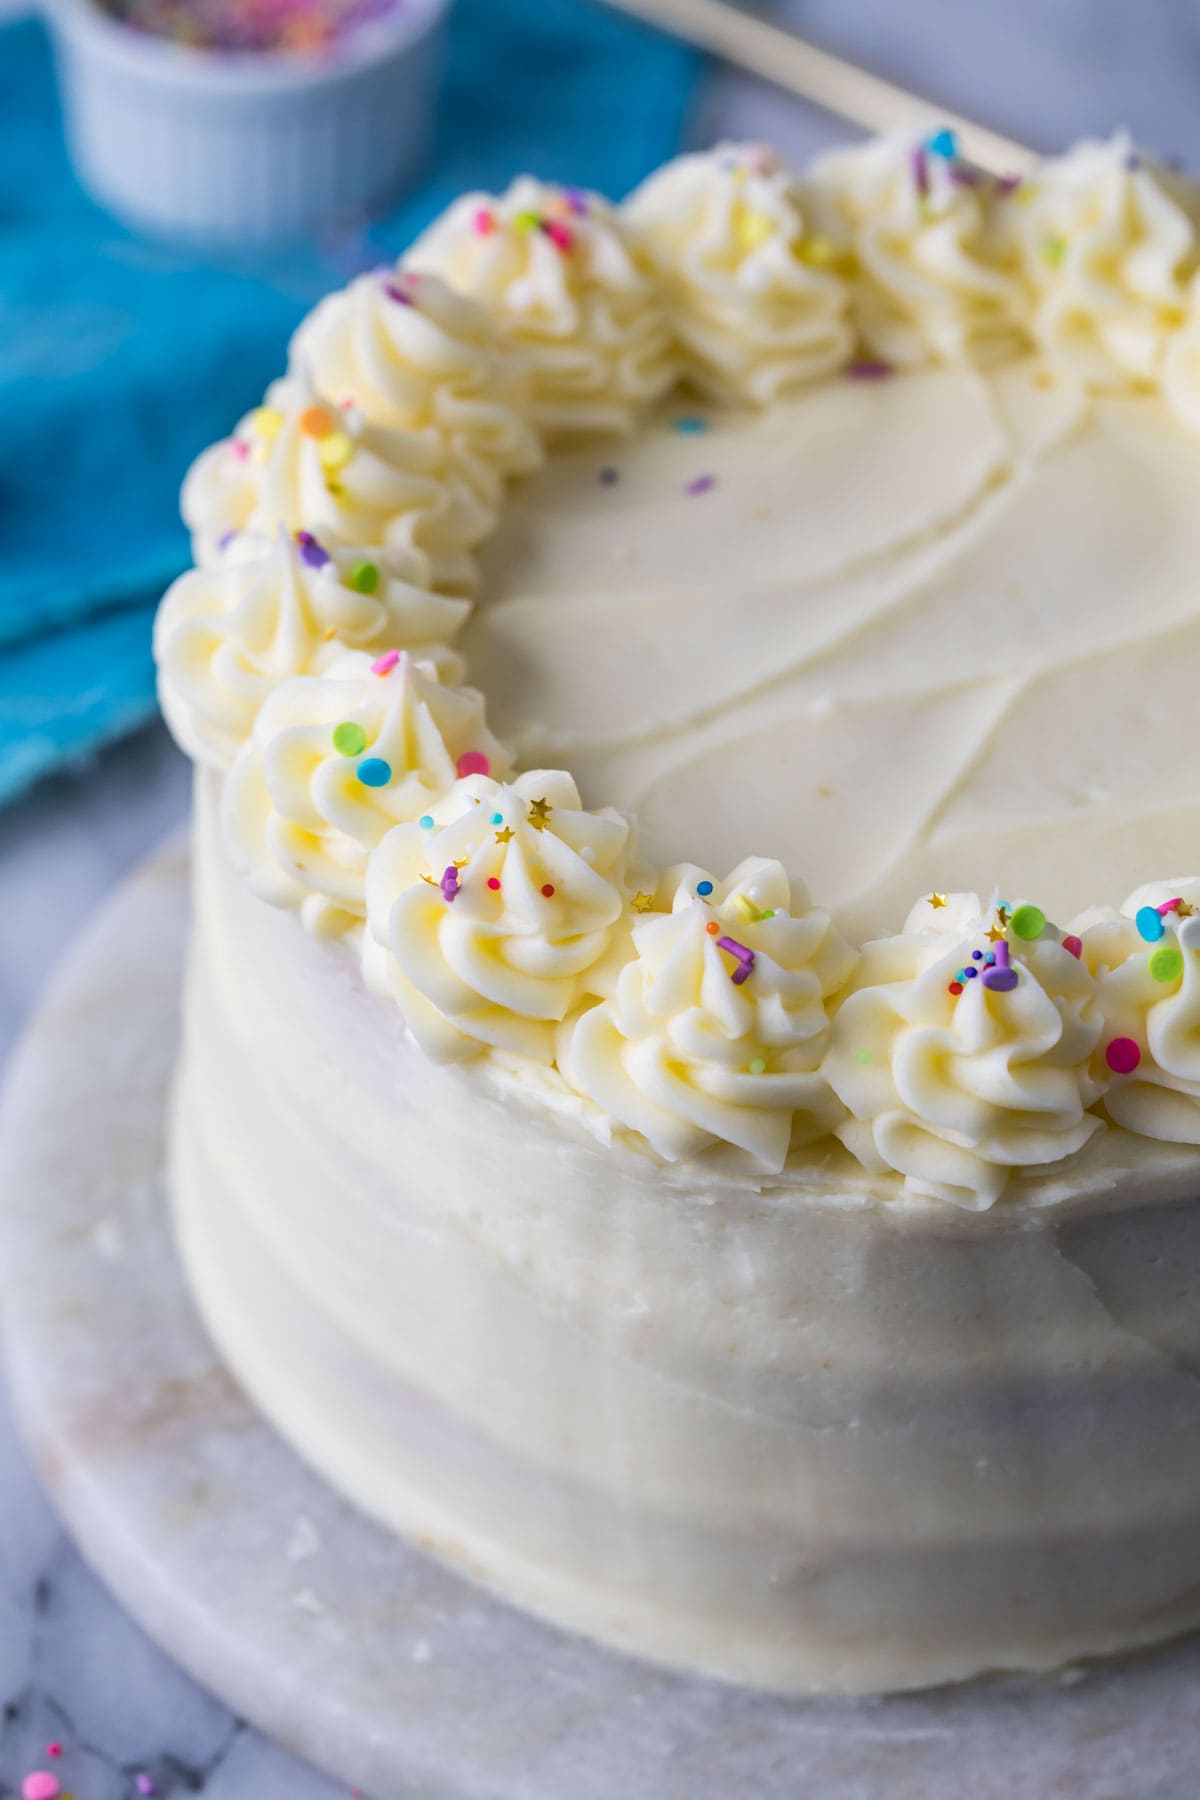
x=373, y=1662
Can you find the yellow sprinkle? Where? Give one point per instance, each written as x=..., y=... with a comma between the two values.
x=266, y=422
x=818, y=252
x=746, y=908
x=335, y=451
x=753, y=229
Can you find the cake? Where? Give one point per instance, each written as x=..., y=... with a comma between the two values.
x=708, y=1143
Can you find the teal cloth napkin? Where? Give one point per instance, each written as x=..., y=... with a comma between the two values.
x=121, y=359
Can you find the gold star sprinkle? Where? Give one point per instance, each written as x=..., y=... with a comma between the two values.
x=937, y=901
x=643, y=902
x=996, y=933
x=505, y=836
x=1003, y=914
x=430, y=880
x=1183, y=910
x=539, y=814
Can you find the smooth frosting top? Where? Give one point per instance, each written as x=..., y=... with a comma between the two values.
x=336, y=532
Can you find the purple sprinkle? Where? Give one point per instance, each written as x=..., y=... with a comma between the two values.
x=920, y=168
x=609, y=477
x=1000, y=981
x=868, y=368
x=226, y=538
x=576, y=199
x=1007, y=184
x=963, y=175
x=450, y=883
x=398, y=294
x=745, y=959
x=700, y=484
x=312, y=554
x=143, y=1783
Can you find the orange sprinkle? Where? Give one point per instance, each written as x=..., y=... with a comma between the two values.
x=315, y=422
x=712, y=928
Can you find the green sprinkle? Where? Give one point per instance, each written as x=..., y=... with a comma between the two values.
x=1053, y=251
x=1028, y=922
x=769, y=914
x=527, y=221
x=1166, y=963
x=757, y=1066
x=349, y=739
x=364, y=578
x=863, y=1056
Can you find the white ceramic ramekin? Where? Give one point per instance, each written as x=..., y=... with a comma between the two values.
x=246, y=148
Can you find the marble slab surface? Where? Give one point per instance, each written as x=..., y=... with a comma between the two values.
x=366, y=1658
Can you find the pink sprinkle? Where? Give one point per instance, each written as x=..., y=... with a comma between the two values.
x=54, y=1749
x=40, y=1785
x=559, y=234
x=484, y=222
x=494, y=883
x=383, y=665
x=868, y=368
x=143, y=1783
x=473, y=762
x=1170, y=905
x=398, y=294
x=1122, y=1056
x=700, y=484
x=240, y=449
x=1074, y=945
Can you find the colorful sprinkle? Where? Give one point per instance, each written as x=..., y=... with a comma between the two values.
x=1166, y=963
x=1122, y=1055
x=1029, y=922
x=868, y=368
x=450, y=884
x=560, y=235
x=547, y=890
x=745, y=959
x=494, y=883
x=712, y=928
x=704, y=889
x=315, y=422
x=473, y=762
x=642, y=903
x=943, y=143
x=40, y=1785
x=349, y=738
x=54, y=1748
x=497, y=818
x=539, y=813
x=1149, y=923
x=977, y=956
x=266, y=422
x=758, y=1066
x=527, y=221
x=753, y=229
x=1074, y=945
x=609, y=477
x=144, y=1783
x=969, y=974
x=374, y=772
x=483, y=222
x=383, y=665
x=690, y=425
x=312, y=554
x=920, y=169
x=956, y=988
x=700, y=484
x=400, y=295
x=577, y=201
x=336, y=450
x=426, y=822
x=1053, y=251
x=863, y=1056
x=1000, y=978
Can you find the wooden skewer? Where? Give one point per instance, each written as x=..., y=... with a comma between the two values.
x=838, y=86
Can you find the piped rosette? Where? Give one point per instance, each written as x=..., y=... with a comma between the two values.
x=333, y=765
x=717, y=1026
x=1146, y=961
x=403, y=351
x=302, y=462
x=571, y=288
x=224, y=639
x=964, y=1049
x=496, y=913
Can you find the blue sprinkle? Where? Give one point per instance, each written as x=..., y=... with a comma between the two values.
x=704, y=889
x=374, y=772
x=691, y=426
x=969, y=974
x=977, y=956
x=1149, y=923
x=943, y=143
x=497, y=818
x=425, y=822
x=990, y=958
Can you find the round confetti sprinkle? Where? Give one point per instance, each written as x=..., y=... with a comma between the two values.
x=704, y=888
x=956, y=987
x=970, y=974
x=483, y=222
x=691, y=425
x=1122, y=1055
x=863, y=1056
x=494, y=883
x=943, y=143
x=560, y=235
x=700, y=484
x=312, y=554
x=1029, y=922
x=40, y=1785
x=977, y=956
x=315, y=422
x=1149, y=923
x=547, y=890
x=425, y=822
x=349, y=738
x=374, y=772
x=758, y=1066
x=609, y=477
x=473, y=762
x=1074, y=945
x=266, y=422
x=144, y=1783
x=364, y=578
x=712, y=928
x=400, y=295
x=383, y=665
x=335, y=451
x=1166, y=963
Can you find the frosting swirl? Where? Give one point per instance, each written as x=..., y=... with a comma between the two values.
x=717, y=1026
x=954, y=1082
x=755, y=298
x=1109, y=248
x=224, y=638
x=560, y=272
x=498, y=916
x=415, y=357
x=1146, y=959
x=334, y=763
x=301, y=462
x=937, y=271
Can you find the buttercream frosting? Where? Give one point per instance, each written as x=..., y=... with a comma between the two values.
x=567, y=282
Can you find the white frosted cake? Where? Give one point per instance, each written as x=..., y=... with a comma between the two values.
x=712, y=1148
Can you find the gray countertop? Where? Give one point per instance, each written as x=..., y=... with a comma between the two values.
x=72, y=1668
